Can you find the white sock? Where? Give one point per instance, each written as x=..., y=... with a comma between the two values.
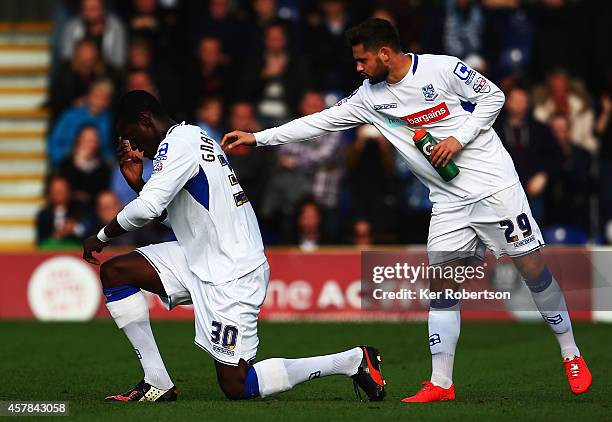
x=277, y=374
x=132, y=315
x=444, y=327
x=551, y=304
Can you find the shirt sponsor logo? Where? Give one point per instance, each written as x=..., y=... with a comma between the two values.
x=462, y=71
x=429, y=92
x=430, y=115
x=223, y=350
x=384, y=106
x=395, y=122
x=481, y=85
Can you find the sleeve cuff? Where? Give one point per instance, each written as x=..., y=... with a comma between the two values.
x=262, y=138
x=466, y=135
x=125, y=224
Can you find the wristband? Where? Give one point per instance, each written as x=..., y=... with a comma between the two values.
x=102, y=237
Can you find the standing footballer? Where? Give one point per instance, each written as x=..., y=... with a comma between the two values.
x=217, y=263
x=483, y=206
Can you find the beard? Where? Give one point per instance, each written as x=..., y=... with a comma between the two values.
x=379, y=76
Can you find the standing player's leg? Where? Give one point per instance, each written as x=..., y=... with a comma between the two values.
x=275, y=375
x=450, y=242
x=122, y=278
x=504, y=221
x=549, y=299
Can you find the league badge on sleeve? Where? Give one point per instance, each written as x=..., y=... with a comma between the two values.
x=429, y=92
x=157, y=166
x=481, y=85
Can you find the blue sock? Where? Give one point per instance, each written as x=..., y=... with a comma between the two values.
x=443, y=302
x=541, y=282
x=117, y=293
x=251, y=384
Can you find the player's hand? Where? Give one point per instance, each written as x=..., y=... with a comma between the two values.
x=237, y=137
x=444, y=151
x=130, y=163
x=90, y=245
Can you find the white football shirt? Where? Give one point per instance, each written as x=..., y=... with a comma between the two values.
x=440, y=94
x=210, y=214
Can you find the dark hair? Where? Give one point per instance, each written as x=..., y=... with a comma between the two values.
x=135, y=102
x=374, y=33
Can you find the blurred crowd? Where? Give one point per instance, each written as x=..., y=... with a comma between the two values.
x=252, y=64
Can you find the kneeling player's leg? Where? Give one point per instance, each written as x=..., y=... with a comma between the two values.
x=122, y=278
x=549, y=299
x=275, y=375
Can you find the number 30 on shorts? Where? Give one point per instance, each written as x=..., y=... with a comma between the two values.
x=522, y=221
x=226, y=335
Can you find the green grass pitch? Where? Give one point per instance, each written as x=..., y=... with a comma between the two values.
x=506, y=371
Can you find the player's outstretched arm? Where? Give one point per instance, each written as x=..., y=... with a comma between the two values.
x=237, y=137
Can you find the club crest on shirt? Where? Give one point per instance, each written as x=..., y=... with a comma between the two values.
x=429, y=92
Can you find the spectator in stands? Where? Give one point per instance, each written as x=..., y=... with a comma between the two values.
x=307, y=169
x=221, y=22
x=556, y=32
x=327, y=49
x=509, y=36
x=561, y=97
x=108, y=206
x=94, y=112
x=603, y=129
x=75, y=77
x=528, y=142
x=141, y=80
x=275, y=79
x=100, y=25
x=87, y=172
x=362, y=233
x=210, y=75
x=251, y=165
x=308, y=230
x=372, y=181
x=570, y=191
x=264, y=14
x=463, y=28
x=144, y=20
x=61, y=221
x=141, y=58
x=209, y=115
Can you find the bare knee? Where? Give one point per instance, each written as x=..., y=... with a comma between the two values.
x=231, y=379
x=531, y=265
x=110, y=273
x=232, y=388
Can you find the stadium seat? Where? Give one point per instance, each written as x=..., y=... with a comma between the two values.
x=564, y=235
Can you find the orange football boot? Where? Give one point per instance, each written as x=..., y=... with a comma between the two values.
x=578, y=374
x=430, y=393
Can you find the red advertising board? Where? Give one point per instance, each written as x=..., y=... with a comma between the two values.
x=324, y=285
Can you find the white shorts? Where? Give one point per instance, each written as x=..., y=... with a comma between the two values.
x=501, y=222
x=225, y=314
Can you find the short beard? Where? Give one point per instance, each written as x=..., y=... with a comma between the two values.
x=377, y=79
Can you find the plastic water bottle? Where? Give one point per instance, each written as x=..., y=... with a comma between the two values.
x=425, y=143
